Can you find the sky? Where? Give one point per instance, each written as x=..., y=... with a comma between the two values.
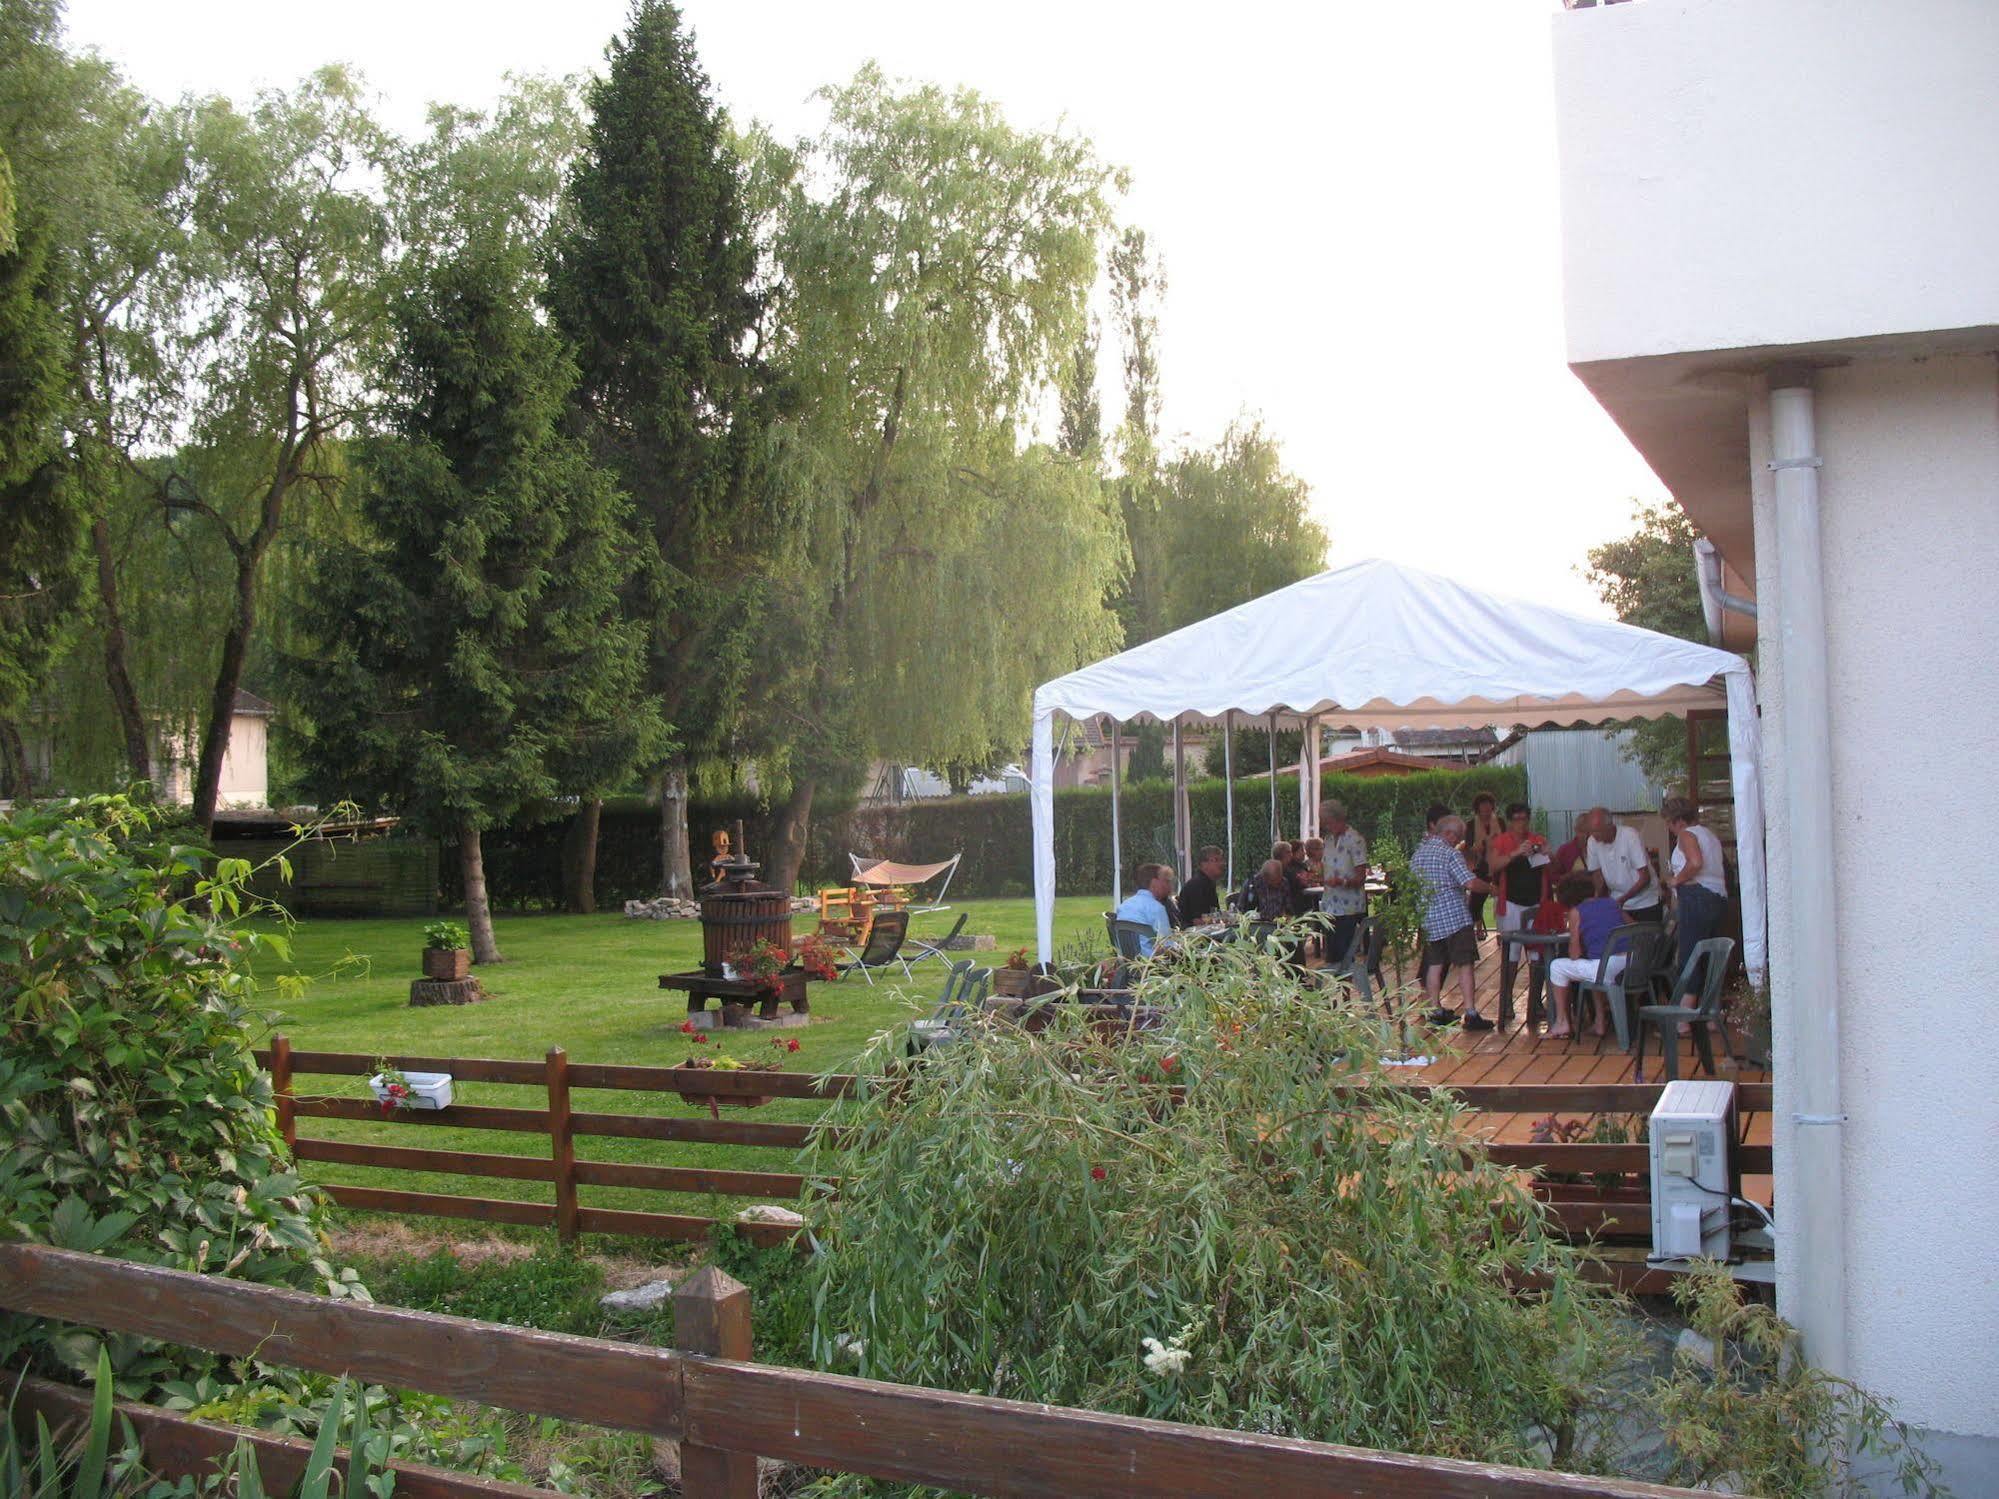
x=1356, y=205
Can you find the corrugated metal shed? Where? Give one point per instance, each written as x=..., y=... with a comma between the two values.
x=1571, y=770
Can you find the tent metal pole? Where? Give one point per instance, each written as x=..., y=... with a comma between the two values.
x=1228, y=784
x=1117, y=841
x=1275, y=834
x=1182, y=821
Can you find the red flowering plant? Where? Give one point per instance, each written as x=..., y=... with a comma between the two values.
x=817, y=959
x=763, y=964
x=392, y=1089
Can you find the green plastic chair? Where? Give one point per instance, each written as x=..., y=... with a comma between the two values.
x=1715, y=952
x=1640, y=944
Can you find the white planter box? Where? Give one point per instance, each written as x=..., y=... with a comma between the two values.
x=428, y=1090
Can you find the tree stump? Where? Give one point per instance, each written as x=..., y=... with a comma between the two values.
x=445, y=992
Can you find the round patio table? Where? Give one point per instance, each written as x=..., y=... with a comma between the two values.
x=1546, y=943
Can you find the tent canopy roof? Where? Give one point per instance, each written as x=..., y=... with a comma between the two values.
x=1378, y=645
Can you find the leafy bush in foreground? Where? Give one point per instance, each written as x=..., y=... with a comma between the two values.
x=1239, y=1220
x=138, y=1121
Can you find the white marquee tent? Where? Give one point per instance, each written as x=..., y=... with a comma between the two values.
x=1379, y=646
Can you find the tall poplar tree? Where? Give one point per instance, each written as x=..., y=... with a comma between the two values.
x=475, y=656
x=654, y=283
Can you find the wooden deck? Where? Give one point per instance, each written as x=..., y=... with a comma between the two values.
x=1513, y=1055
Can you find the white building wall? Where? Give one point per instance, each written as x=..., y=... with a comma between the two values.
x=246, y=778
x=1738, y=173
x=1909, y=498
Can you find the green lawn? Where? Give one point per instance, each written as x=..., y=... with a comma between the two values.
x=588, y=984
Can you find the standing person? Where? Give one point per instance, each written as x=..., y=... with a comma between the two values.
x=1201, y=897
x=1616, y=856
x=1447, y=927
x=1697, y=881
x=1344, y=877
x=1592, y=918
x=1519, y=868
x=1147, y=904
x=1569, y=857
x=1479, y=833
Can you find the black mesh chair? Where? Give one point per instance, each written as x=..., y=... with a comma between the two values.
x=883, y=948
x=926, y=947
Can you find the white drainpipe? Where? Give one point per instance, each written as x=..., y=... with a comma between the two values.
x=1811, y=1207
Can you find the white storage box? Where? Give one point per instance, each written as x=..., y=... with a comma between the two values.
x=428, y=1090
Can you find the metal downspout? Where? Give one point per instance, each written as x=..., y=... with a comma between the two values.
x=1808, y=1051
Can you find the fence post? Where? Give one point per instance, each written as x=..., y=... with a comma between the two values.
x=562, y=1144
x=711, y=1317
x=281, y=1088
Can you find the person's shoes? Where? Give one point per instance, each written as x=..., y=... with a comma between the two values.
x=1442, y=1017
x=1477, y=1022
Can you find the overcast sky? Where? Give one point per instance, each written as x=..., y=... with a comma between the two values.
x=1356, y=205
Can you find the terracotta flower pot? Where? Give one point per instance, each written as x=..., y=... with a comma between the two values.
x=446, y=965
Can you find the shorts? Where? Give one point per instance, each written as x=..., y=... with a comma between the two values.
x=1565, y=971
x=1460, y=948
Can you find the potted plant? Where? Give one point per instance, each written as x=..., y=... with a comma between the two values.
x=447, y=952
x=763, y=966
x=1014, y=979
x=395, y=1089
x=727, y=1063
x=818, y=961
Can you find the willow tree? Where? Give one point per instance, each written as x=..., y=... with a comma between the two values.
x=937, y=264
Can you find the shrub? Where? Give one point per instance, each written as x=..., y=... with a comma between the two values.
x=139, y=1123
x=1760, y=1420
x=1238, y=1220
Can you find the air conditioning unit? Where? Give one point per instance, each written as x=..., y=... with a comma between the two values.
x=1694, y=1176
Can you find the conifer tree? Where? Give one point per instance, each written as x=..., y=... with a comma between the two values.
x=475, y=658
x=654, y=283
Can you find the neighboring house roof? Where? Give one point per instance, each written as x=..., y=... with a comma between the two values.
x=1420, y=739
x=1372, y=761
x=249, y=704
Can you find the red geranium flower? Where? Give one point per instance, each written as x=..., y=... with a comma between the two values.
x=791, y=1046
x=688, y=1026
x=1167, y=1064
x=1097, y=1173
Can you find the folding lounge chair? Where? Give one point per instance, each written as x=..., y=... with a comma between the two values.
x=884, y=946
x=927, y=947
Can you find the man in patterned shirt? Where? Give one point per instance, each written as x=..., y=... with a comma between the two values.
x=1447, y=925
x=1344, y=876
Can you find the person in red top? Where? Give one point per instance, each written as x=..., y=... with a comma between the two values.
x=1519, y=862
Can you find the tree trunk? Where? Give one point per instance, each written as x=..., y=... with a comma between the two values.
x=15, y=783
x=579, y=858
x=478, y=910
x=222, y=701
x=676, y=866
x=792, y=828
x=138, y=750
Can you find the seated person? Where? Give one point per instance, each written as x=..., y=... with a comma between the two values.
x=1270, y=892
x=1200, y=898
x=1315, y=861
x=1147, y=905
x=1592, y=918
x=1291, y=859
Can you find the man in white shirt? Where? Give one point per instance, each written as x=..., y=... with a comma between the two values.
x=1616, y=856
x=1147, y=904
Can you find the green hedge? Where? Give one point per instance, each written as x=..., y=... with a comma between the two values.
x=524, y=865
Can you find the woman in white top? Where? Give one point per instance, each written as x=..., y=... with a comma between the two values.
x=1697, y=880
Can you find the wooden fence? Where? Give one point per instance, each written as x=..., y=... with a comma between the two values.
x=706, y=1394
x=1581, y=1208
x=563, y=1125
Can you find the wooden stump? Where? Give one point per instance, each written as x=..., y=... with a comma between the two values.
x=445, y=992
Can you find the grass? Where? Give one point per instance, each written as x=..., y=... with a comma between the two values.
x=588, y=984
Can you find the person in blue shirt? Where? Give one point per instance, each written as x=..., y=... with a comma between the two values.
x=1592, y=918
x=1147, y=905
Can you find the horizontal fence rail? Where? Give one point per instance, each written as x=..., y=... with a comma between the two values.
x=562, y=1124
x=1580, y=1208
x=724, y=1410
